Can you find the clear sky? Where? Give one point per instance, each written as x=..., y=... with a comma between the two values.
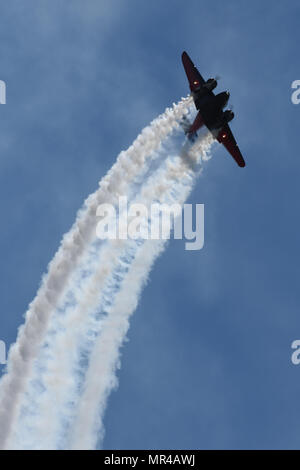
x=208, y=361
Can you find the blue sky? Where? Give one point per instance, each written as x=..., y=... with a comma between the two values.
x=207, y=364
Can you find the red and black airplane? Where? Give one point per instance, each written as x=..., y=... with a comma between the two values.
x=210, y=110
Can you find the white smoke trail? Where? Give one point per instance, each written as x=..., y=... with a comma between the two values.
x=21, y=355
x=42, y=428
x=66, y=332
x=105, y=358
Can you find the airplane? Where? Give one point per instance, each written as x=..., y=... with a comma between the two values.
x=210, y=110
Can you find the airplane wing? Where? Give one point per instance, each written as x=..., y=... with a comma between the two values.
x=226, y=138
x=194, y=77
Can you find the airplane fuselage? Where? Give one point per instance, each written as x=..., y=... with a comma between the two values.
x=211, y=107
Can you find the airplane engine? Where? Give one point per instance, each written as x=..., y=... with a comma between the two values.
x=228, y=115
x=211, y=84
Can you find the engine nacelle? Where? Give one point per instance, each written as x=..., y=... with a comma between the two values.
x=228, y=115
x=211, y=84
